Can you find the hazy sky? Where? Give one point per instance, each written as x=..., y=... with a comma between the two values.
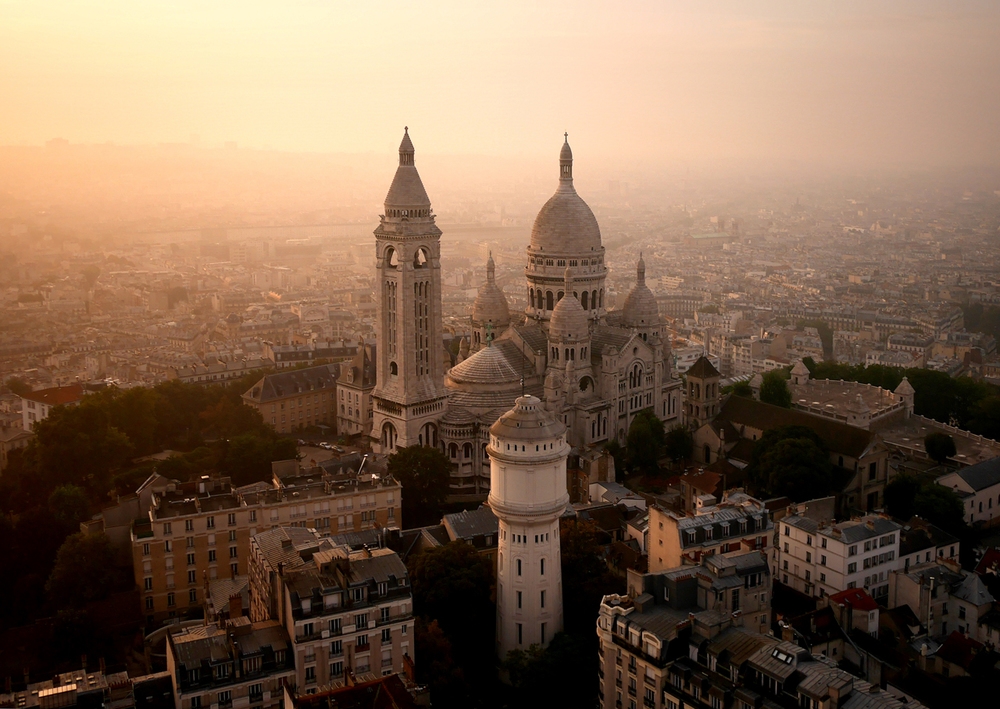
x=839, y=82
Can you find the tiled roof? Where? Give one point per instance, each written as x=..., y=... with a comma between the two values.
x=282, y=384
x=57, y=396
x=982, y=475
x=703, y=369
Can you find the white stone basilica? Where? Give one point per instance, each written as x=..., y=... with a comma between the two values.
x=592, y=369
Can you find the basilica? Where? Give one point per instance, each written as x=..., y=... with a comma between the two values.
x=593, y=369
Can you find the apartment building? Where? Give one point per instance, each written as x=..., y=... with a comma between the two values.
x=642, y=632
x=199, y=531
x=737, y=523
x=236, y=663
x=296, y=399
x=39, y=404
x=821, y=558
x=945, y=598
x=349, y=613
x=979, y=488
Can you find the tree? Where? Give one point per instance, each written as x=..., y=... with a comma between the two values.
x=248, y=456
x=615, y=450
x=986, y=418
x=69, y=505
x=645, y=442
x=792, y=461
x=18, y=386
x=424, y=473
x=560, y=675
x=939, y=505
x=85, y=570
x=774, y=389
x=939, y=446
x=742, y=389
x=901, y=496
x=679, y=443
x=437, y=667
x=585, y=577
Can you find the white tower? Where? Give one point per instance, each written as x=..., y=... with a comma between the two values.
x=409, y=395
x=528, y=452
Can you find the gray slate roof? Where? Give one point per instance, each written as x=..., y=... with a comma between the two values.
x=982, y=475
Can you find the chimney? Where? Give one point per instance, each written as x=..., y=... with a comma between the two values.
x=235, y=605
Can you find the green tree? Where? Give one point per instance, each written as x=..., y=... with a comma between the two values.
x=69, y=505
x=585, y=577
x=84, y=570
x=986, y=417
x=742, y=389
x=679, y=443
x=424, y=473
x=645, y=443
x=18, y=386
x=437, y=667
x=248, y=456
x=939, y=505
x=774, y=389
x=939, y=446
x=792, y=461
x=561, y=675
x=901, y=496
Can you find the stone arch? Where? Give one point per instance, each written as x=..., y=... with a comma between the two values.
x=421, y=257
x=389, y=436
x=391, y=258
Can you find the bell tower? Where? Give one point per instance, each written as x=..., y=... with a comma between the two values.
x=409, y=396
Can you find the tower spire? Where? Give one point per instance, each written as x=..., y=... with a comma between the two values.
x=640, y=271
x=566, y=163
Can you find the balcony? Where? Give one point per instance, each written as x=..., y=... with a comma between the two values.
x=649, y=680
x=647, y=702
x=386, y=663
x=631, y=691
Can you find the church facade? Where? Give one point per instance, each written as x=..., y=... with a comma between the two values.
x=593, y=369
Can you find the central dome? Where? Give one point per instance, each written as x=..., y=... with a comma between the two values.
x=565, y=224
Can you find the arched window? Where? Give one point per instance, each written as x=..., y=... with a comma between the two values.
x=393, y=369
x=593, y=299
x=548, y=300
x=391, y=258
x=388, y=436
x=467, y=450
x=452, y=450
x=420, y=258
x=586, y=301
x=531, y=297
x=559, y=296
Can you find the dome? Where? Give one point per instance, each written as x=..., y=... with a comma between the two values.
x=640, y=308
x=527, y=421
x=569, y=320
x=491, y=304
x=565, y=224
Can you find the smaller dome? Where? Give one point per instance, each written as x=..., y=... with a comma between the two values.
x=490, y=305
x=527, y=421
x=640, y=308
x=569, y=320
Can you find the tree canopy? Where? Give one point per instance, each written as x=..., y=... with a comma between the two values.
x=939, y=446
x=679, y=443
x=424, y=473
x=792, y=461
x=774, y=389
x=645, y=442
x=85, y=570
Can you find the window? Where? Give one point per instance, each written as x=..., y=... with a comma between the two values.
x=167, y=546
x=542, y=600
x=147, y=583
x=361, y=621
x=232, y=519
x=336, y=648
x=226, y=697
x=386, y=635
x=196, y=702
x=253, y=515
x=362, y=641
x=518, y=567
x=520, y=634
x=210, y=522
x=232, y=535
x=232, y=552
x=852, y=550
x=192, y=577
x=256, y=692
x=211, y=555
x=193, y=595
x=189, y=525
x=542, y=566
x=149, y=603
x=543, y=633
x=335, y=626
x=145, y=549
x=852, y=567
x=190, y=559
x=170, y=599
x=234, y=569
x=384, y=615
x=518, y=599
x=310, y=675
x=166, y=528
x=336, y=669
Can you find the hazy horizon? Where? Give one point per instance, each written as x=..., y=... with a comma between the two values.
x=772, y=84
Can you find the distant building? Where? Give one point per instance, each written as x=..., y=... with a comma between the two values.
x=293, y=400
x=83, y=689
x=39, y=404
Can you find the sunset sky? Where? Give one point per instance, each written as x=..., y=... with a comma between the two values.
x=865, y=83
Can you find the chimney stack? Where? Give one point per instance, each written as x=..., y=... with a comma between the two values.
x=235, y=605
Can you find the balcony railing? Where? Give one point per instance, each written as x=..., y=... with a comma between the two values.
x=631, y=691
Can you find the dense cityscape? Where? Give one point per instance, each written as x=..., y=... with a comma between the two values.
x=411, y=428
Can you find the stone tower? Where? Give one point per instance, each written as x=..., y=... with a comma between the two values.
x=528, y=451
x=702, y=399
x=409, y=397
